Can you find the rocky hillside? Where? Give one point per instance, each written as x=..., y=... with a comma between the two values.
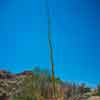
x=37, y=85
x=10, y=83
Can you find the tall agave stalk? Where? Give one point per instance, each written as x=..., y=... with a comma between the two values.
x=51, y=48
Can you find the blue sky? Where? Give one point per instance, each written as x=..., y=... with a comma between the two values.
x=75, y=37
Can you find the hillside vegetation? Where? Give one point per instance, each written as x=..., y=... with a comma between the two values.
x=37, y=85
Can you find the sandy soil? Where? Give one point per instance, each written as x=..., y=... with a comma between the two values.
x=94, y=98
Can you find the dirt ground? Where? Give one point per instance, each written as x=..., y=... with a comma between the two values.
x=94, y=98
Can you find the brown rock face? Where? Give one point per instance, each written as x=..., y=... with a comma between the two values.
x=4, y=97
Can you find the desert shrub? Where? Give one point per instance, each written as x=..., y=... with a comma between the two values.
x=97, y=91
x=75, y=92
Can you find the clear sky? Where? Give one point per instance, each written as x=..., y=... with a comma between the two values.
x=75, y=32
